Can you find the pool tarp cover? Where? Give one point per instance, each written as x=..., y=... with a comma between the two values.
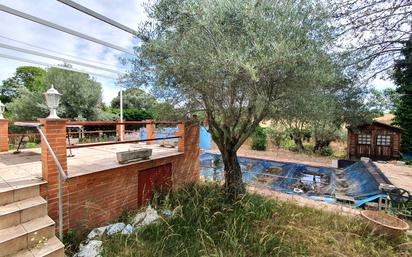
x=360, y=184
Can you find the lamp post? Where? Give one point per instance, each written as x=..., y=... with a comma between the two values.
x=52, y=100
x=2, y=109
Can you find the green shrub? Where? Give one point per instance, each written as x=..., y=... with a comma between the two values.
x=307, y=134
x=326, y=151
x=288, y=144
x=30, y=145
x=309, y=148
x=259, y=139
x=277, y=137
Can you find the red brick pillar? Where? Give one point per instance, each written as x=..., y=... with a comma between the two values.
x=4, y=135
x=181, y=133
x=150, y=132
x=120, y=131
x=187, y=168
x=55, y=132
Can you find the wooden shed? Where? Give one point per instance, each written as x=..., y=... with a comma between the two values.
x=378, y=141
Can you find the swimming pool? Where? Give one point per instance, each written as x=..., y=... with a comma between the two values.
x=356, y=181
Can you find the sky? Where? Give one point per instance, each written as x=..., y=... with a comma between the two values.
x=126, y=12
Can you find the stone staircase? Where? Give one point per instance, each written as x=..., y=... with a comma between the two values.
x=25, y=228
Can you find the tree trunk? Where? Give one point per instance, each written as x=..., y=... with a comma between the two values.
x=233, y=175
x=298, y=142
x=319, y=144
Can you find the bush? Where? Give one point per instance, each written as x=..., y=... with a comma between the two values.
x=277, y=137
x=326, y=151
x=288, y=144
x=259, y=139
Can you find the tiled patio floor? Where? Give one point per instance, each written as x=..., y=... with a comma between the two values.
x=24, y=168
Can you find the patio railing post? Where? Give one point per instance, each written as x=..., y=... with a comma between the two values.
x=120, y=131
x=181, y=133
x=54, y=131
x=150, y=132
x=4, y=135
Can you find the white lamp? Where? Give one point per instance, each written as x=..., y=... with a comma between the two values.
x=2, y=109
x=52, y=100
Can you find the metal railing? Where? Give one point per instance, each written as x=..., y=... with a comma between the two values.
x=61, y=173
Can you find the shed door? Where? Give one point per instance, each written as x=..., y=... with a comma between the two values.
x=383, y=146
x=363, y=146
x=154, y=179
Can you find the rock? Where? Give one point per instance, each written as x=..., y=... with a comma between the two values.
x=145, y=218
x=127, y=230
x=167, y=213
x=91, y=249
x=96, y=232
x=115, y=228
x=168, y=143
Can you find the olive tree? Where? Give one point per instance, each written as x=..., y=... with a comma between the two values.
x=233, y=59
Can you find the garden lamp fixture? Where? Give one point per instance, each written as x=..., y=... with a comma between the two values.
x=52, y=100
x=2, y=109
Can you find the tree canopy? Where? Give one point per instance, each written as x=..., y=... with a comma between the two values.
x=372, y=32
x=403, y=110
x=81, y=99
x=134, y=98
x=233, y=59
x=29, y=77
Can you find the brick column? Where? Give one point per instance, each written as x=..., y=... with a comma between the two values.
x=4, y=135
x=150, y=132
x=55, y=132
x=187, y=168
x=181, y=133
x=120, y=131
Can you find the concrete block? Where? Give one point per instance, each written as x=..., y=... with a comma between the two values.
x=335, y=164
x=400, y=163
x=365, y=159
x=133, y=155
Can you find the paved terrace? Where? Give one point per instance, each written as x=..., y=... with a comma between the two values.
x=25, y=168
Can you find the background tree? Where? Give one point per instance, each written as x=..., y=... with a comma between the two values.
x=82, y=95
x=29, y=77
x=403, y=112
x=134, y=98
x=385, y=100
x=373, y=31
x=233, y=59
x=82, y=98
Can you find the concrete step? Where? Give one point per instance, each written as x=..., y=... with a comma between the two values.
x=12, y=193
x=53, y=248
x=19, y=212
x=32, y=234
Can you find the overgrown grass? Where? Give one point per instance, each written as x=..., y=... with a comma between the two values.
x=208, y=224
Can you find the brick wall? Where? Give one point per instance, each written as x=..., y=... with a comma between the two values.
x=95, y=199
x=4, y=135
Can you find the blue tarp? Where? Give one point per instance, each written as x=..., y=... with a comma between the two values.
x=361, y=183
x=356, y=180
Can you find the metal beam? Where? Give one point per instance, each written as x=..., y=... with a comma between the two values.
x=61, y=28
x=57, y=52
x=96, y=15
x=54, y=66
x=19, y=49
